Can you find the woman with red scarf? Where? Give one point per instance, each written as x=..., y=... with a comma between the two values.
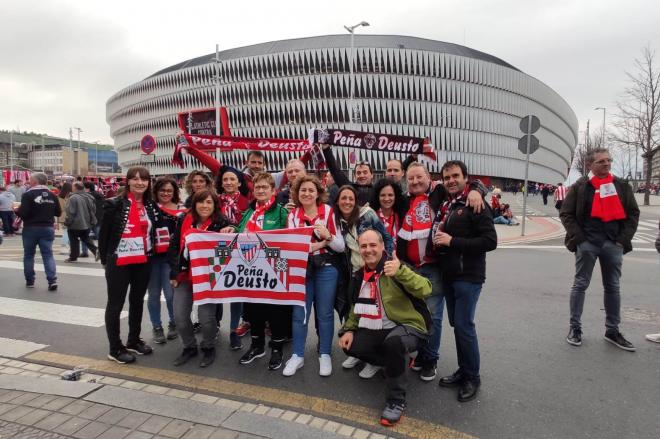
x=233, y=193
x=166, y=193
x=130, y=224
x=204, y=215
x=390, y=204
x=265, y=213
x=321, y=280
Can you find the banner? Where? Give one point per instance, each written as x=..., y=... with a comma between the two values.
x=230, y=143
x=203, y=122
x=263, y=267
x=373, y=141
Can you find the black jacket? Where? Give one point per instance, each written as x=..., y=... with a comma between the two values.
x=363, y=191
x=99, y=202
x=115, y=216
x=473, y=234
x=437, y=196
x=178, y=262
x=39, y=207
x=573, y=214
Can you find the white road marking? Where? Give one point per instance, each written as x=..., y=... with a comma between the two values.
x=554, y=247
x=64, y=269
x=53, y=312
x=13, y=348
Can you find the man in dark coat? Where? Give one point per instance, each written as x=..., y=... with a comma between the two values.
x=600, y=216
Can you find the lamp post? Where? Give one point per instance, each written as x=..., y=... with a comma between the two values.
x=604, y=111
x=77, y=158
x=217, y=97
x=11, y=154
x=96, y=156
x=351, y=30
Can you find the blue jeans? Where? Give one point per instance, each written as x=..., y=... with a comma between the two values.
x=320, y=289
x=429, y=353
x=159, y=280
x=462, y=300
x=610, y=257
x=501, y=220
x=7, y=217
x=43, y=237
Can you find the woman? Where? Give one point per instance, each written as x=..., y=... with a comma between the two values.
x=353, y=220
x=321, y=281
x=265, y=213
x=62, y=197
x=166, y=193
x=203, y=215
x=389, y=203
x=233, y=194
x=127, y=241
x=195, y=182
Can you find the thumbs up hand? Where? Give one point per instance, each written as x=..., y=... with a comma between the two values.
x=392, y=266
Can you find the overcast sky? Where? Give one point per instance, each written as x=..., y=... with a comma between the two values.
x=62, y=60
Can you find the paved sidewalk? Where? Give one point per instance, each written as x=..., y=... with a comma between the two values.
x=36, y=403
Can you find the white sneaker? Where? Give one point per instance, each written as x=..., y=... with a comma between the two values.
x=653, y=337
x=292, y=365
x=325, y=365
x=350, y=362
x=369, y=371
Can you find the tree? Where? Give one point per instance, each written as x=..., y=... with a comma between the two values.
x=638, y=118
x=582, y=151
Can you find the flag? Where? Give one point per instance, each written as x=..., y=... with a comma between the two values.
x=262, y=267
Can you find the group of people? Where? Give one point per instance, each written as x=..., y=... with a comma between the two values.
x=386, y=255
x=383, y=259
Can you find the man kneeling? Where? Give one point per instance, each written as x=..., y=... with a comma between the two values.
x=387, y=319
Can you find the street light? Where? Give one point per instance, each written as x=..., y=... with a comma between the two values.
x=604, y=111
x=96, y=157
x=351, y=30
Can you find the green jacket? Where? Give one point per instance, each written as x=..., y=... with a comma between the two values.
x=275, y=217
x=397, y=305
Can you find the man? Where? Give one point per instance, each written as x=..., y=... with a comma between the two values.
x=559, y=195
x=7, y=200
x=38, y=209
x=80, y=218
x=461, y=239
x=295, y=169
x=255, y=163
x=17, y=189
x=412, y=239
x=394, y=171
x=600, y=216
x=364, y=176
x=90, y=188
x=545, y=191
x=388, y=319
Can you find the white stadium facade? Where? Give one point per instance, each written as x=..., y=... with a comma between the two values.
x=468, y=102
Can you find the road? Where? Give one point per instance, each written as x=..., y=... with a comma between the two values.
x=534, y=383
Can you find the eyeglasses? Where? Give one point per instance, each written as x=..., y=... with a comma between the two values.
x=262, y=188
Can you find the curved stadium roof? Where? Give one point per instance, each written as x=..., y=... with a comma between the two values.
x=330, y=41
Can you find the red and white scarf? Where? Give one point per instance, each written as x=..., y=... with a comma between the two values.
x=416, y=229
x=369, y=304
x=229, y=206
x=256, y=222
x=390, y=222
x=134, y=243
x=606, y=204
x=449, y=205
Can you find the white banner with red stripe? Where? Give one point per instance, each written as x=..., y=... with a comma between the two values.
x=262, y=267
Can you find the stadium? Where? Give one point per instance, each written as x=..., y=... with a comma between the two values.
x=467, y=102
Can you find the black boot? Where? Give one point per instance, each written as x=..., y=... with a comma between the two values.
x=208, y=357
x=186, y=355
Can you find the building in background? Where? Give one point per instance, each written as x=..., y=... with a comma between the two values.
x=468, y=102
x=55, y=155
